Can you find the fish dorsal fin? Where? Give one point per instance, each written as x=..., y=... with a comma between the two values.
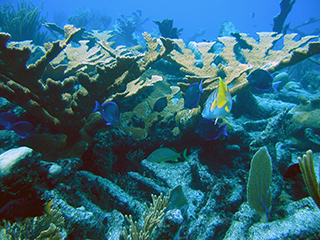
x=47, y=207
x=222, y=94
x=221, y=98
x=200, y=86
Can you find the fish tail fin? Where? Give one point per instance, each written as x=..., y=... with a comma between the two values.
x=275, y=86
x=47, y=207
x=97, y=107
x=200, y=86
x=223, y=130
x=183, y=154
x=9, y=127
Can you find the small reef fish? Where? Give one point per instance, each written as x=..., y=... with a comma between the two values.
x=219, y=103
x=160, y=104
x=208, y=129
x=22, y=208
x=178, y=200
x=261, y=80
x=109, y=111
x=22, y=128
x=162, y=155
x=193, y=94
x=7, y=119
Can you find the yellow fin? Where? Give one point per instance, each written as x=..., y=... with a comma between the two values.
x=222, y=94
x=47, y=207
x=214, y=104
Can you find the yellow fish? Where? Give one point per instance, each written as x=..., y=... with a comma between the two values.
x=219, y=103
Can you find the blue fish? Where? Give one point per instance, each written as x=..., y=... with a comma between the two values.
x=7, y=119
x=24, y=129
x=208, y=129
x=160, y=104
x=109, y=111
x=193, y=94
x=260, y=79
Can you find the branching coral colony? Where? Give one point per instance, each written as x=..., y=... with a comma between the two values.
x=60, y=89
x=47, y=90
x=254, y=54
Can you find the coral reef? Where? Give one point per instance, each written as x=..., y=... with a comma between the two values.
x=151, y=218
x=257, y=54
x=45, y=94
x=126, y=26
x=47, y=226
x=167, y=30
x=309, y=176
x=23, y=23
x=80, y=19
x=114, y=178
x=278, y=21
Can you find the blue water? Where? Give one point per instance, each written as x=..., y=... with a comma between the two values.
x=249, y=16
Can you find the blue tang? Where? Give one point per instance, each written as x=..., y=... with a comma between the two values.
x=260, y=79
x=24, y=129
x=7, y=119
x=208, y=129
x=109, y=111
x=193, y=94
x=160, y=104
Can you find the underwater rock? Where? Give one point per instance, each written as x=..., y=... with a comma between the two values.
x=301, y=221
x=169, y=226
x=55, y=170
x=12, y=160
x=282, y=78
x=292, y=92
x=273, y=131
x=8, y=140
x=188, y=118
x=306, y=116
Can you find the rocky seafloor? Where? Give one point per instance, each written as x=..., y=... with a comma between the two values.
x=113, y=178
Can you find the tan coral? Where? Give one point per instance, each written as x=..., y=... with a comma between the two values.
x=186, y=59
x=260, y=54
x=146, y=118
x=43, y=93
x=137, y=122
x=187, y=118
x=305, y=116
x=14, y=73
